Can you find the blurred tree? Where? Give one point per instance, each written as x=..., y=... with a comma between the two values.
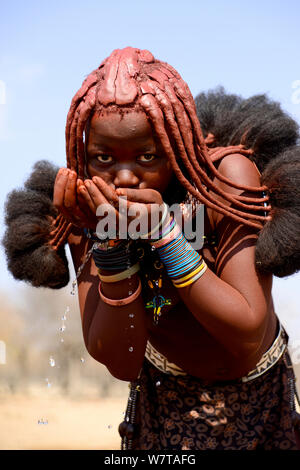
x=42, y=329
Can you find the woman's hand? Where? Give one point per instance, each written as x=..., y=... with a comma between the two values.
x=147, y=203
x=126, y=203
x=96, y=193
x=68, y=200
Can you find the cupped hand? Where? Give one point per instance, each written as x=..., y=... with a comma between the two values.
x=124, y=203
x=69, y=200
x=147, y=204
x=100, y=198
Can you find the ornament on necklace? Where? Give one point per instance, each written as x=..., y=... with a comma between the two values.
x=158, y=301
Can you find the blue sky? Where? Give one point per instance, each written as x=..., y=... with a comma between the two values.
x=48, y=47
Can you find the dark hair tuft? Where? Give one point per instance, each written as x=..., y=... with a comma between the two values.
x=29, y=214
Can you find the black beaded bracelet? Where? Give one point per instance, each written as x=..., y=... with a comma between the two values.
x=122, y=256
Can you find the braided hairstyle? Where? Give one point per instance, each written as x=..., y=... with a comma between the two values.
x=132, y=79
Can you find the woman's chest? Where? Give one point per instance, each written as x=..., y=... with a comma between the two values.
x=160, y=295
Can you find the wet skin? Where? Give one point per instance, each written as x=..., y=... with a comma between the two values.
x=124, y=153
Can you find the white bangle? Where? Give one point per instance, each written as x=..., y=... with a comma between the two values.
x=165, y=213
x=120, y=276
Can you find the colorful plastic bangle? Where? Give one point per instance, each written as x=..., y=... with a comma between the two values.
x=120, y=276
x=168, y=238
x=191, y=274
x=191, y=281
x=121, y=302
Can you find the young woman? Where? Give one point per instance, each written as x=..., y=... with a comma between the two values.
x=193, y=330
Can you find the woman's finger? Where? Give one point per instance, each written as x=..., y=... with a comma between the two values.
x=70, y=191
x=85, y=201
x=106, y=190
x=59, y=187
x=95, y=194
x=144, y=196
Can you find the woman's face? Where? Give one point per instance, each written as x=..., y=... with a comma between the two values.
x=121, y=150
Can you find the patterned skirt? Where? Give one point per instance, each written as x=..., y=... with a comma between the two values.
x=181, y=412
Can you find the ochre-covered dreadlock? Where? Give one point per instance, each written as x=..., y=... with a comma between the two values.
x=133, y=77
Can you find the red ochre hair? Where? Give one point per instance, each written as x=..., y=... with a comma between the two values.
x=133, y=78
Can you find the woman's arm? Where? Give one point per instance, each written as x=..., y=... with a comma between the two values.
x=114, y=336
x=233, y=304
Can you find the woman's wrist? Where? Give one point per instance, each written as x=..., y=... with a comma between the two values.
x=184, y=265
x=155, y=231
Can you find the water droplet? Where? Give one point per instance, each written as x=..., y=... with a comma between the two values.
x=131, y=326
x=152, y=248
x=82, y=359
x=157, y=383
x=64, y=317
x=48, y=383
x=73, y=287
x=131, y=315
x=51, y=361
x=62, y=340
x=41, y=421
x=109, y=426
x=129, y=292
x=62, y=328
x=130, y=349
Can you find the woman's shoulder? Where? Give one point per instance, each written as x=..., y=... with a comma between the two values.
x=240, y=170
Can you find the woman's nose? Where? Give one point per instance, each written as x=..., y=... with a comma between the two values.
x=125, y=178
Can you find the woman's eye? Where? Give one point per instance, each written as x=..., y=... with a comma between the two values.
x=146, y=158
x=104, y=158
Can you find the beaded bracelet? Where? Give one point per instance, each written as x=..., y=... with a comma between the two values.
x=121, y=302
x=120, y=276
x=120, y=257
x=103, y=244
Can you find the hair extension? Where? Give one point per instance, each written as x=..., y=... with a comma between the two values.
x=257, y=122
x=30, y=217
x=273, y=136
x=278, y=245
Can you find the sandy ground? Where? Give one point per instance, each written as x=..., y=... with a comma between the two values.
x=72, y=424
x=53, y=422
